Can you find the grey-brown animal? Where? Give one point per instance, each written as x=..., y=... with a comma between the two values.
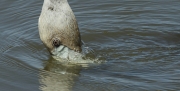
x=58, y=26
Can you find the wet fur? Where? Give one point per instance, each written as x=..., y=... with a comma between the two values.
x=57, y=22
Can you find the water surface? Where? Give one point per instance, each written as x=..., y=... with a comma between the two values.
x=138, y=39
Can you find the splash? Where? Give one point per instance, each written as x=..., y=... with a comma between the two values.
x=66, y=55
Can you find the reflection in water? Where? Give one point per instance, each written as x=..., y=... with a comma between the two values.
x=58, y=76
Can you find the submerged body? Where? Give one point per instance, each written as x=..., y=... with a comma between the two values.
x=58, y=26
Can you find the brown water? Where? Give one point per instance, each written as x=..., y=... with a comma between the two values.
x=140, y=40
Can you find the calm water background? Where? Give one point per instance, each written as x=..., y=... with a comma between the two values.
x=140, y=40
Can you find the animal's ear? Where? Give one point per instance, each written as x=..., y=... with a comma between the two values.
x=56, y=42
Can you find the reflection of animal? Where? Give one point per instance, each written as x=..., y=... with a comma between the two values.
x=58, y=26
x=58, y=76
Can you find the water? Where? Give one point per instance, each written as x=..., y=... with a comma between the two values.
x=138, y=39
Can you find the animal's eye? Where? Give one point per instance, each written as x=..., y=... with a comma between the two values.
x=56, y=43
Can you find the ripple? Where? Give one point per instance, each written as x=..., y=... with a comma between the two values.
x=138, y=39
